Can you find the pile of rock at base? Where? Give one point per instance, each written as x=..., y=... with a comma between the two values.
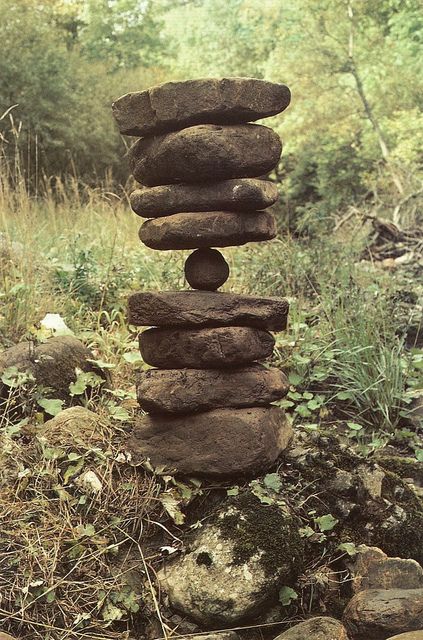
x=209, y=401
x=388, y=597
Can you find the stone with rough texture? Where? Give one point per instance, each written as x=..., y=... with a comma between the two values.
x=206, y=269
x=235, y=563
x=243, y=194
x=76, y=427
x=205, y=152
x=175, y=105
x=372, y=569
x=204, y=348
x=412, y=635
x=379, y=613
x=315, y=629
x=51, y=363
x=219, y=443
x=207, y=229
x=198, y=309
x=193, y=390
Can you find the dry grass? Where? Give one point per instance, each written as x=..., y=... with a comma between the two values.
x=66, y=554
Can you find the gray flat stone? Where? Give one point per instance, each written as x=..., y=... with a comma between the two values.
x=242, y=194
x=192, y=390
x=205, y=152
x=205, y=348
x=206, y=309
x=175, y=105
x=207, y=229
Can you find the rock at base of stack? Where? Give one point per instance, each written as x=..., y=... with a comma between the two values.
x=218, y=443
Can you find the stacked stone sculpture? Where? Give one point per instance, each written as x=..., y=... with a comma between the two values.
x=208, y=400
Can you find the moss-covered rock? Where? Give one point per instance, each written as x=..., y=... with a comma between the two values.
x=236, y=563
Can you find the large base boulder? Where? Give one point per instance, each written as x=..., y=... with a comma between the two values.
x=235, y=564
x=219, y=443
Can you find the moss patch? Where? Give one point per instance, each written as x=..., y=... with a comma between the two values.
x=255, y=527
x=403, y=467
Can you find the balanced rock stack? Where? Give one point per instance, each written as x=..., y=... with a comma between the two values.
x=208, y=400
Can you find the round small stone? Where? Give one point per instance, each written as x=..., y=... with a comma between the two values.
x=206, y=269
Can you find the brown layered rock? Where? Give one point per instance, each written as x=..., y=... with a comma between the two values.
x=175, y=105
x=242, y=194
x=315, y=629
x=372, y=569
x=206, y=309
x=205, y=152
x=380, y=613
x=207, y=229
x=206, y=269
x=219, y=443
x=191, y=390
x=205, y=348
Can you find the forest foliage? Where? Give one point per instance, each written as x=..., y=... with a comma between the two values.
x=353, y=131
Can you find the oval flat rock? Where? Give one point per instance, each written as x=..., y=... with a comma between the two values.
x=222, y=442
x=205, y=152
x=207, y=229
x=205, y=348
x=175, y=105
x=206, y=309
x=175, y=391
x=242, y=194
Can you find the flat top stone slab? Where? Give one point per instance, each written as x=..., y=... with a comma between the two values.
x=175, y=105
x=219, y=443
x=207, y=229
x=204, y=153
x=242, y=194
x=191, y=390
x=206, y=309
x=205, y=348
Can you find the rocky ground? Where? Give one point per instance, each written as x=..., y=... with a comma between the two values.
x=93, y=541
